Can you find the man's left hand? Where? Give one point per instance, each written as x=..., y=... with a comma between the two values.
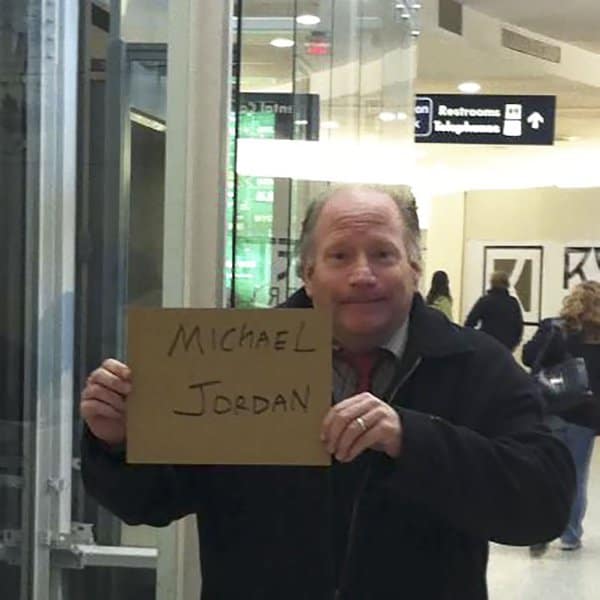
x=360, y=422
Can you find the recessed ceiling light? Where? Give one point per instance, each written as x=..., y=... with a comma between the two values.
x=308, y=19
x=469, y=87
x=330, y=124
x=386, y=116
x=282, y=42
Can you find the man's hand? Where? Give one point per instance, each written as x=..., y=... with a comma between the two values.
x=103, y=401
x=360, y=422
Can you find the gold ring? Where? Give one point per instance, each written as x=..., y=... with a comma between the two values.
x=361, y=423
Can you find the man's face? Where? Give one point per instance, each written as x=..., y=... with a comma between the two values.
x=359, y=268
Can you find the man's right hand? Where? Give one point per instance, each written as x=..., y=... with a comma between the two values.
x=103, y=401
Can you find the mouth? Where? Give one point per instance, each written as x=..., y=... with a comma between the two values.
x=363, y=301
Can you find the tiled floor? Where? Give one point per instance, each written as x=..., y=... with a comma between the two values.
x=558, y=575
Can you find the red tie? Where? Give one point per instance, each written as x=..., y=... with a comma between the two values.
x=362, y=364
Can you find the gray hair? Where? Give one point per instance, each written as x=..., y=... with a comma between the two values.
x=499, y=280
x=402, y=197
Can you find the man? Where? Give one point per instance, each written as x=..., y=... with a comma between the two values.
x=497, y=313
x=445, y=452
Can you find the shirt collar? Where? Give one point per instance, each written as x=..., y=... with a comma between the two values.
x=397, y=342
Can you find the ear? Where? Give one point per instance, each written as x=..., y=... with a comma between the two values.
x=416, y=272
x=307, y=275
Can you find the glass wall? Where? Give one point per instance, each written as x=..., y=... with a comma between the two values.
x=104, y=205
x=322, y=93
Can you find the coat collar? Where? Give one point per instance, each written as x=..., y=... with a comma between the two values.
x=498, y=291
x=430, y=334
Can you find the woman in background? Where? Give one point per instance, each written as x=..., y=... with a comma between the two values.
x=576, y=334
x=439, y=294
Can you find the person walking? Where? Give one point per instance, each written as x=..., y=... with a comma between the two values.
x=575, y=334
x=497, y=313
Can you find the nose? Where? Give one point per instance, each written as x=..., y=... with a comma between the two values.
x=362, y=272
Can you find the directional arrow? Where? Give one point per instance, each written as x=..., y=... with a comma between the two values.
x=535, y=120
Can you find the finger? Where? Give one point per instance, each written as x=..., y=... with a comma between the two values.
x=342, y=406
x=341, y=417
x=105, y=395
x=355, y=430
x=117, y=368
x=384, y=431
x=367, y=440
x=104, y=377
x=93, y=408
x=333, y=411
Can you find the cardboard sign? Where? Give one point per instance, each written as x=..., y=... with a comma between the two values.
x=222, y=386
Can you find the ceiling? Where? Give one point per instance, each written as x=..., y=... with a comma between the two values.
x=444, y=60
x=574, y=21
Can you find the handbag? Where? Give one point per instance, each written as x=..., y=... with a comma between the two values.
x=564, y=385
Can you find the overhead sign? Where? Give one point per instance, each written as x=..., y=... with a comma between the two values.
x=296, y=115
x=485, y=119
x=222, y=386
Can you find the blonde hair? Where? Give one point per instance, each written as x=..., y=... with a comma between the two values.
x=581, y=310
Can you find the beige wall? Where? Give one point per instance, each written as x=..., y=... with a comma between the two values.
x=444, y=244
x=462, y=224
x=552, y=214
x=548, y=217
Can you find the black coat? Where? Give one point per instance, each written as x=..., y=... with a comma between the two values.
x=499, y=315
x=477, y=465
x=556, y=348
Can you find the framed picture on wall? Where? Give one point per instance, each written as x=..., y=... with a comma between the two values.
x=523, y=265
x=582, y=263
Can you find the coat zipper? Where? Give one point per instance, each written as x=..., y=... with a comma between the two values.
x=390, y=392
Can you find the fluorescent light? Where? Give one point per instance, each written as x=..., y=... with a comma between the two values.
x=469, y=87
x=147, y=121
x=401, y=116
x=330, y=124
x=308, y=19
x=301, y=122
x=342, y=161
x=282, y=42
